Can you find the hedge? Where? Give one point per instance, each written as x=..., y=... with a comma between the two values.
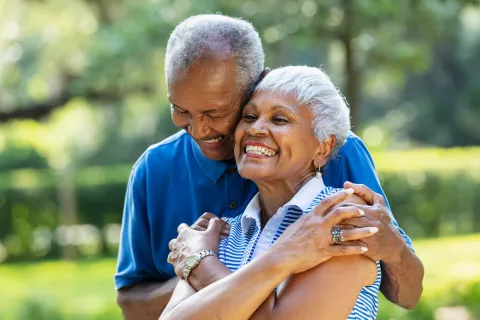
x=432, y=192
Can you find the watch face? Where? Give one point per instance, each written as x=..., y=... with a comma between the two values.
x=191, y=261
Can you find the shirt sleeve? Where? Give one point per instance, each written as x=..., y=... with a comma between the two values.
x=355, y=164
x=366, y=307
x=135, y=262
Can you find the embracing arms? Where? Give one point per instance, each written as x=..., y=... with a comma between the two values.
x=402, y=269
x=249, y=292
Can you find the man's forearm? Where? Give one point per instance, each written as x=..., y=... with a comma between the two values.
x=402, y=279
x=145, y=301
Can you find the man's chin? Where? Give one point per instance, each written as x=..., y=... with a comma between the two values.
x=218, y=154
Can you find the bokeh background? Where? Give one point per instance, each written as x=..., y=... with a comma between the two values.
x=82, y=95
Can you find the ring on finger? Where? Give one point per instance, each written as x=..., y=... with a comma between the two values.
x=337, y=236
x=169, y=258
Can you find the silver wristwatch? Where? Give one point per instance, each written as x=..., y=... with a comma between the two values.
x=194, y=260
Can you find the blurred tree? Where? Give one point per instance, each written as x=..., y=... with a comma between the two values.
x=114, y=49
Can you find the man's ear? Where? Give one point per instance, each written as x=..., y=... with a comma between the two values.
x=264, y=73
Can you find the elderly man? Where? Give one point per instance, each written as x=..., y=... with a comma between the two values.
x=212, y=64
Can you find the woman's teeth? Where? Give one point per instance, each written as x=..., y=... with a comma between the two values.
x=214, y=140
x=261, y=151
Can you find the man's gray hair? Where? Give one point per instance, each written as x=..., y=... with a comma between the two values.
x=313, y=88
x=199, y=37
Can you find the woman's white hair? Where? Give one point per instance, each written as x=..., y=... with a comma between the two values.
x=313, y=88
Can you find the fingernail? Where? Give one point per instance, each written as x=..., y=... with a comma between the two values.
x=349, y=191
x=362, y=213
x=373, y=230
x=364, y=249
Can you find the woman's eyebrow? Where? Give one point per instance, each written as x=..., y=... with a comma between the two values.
x=289, y=109
x=252, y=104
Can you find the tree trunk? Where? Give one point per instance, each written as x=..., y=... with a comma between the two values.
x=67, y=209
x=351, y=72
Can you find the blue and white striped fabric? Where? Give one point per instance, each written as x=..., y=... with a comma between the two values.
x=237, y=250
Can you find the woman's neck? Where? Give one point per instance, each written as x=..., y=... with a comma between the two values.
x=274, y=195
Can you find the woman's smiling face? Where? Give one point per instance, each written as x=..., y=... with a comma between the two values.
x=274, y=139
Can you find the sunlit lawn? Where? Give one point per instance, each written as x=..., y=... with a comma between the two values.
x=84, y=290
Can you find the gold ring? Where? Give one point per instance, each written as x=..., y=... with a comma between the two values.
x=169, y=258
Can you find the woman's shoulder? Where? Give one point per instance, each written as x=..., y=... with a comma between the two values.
x=325, y=192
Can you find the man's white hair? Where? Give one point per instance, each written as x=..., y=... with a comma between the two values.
x=199, y=37
x=313, y=88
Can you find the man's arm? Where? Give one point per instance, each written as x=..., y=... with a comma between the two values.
x=142, y=292
x=147, y=300
x=402, y=278
x=402, y=269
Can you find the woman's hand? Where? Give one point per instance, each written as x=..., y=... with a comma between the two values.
x=204, y=234
x=309, y=242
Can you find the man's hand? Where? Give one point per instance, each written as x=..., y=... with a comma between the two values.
x=205, y=234
x=402, y=270
x=387, y=243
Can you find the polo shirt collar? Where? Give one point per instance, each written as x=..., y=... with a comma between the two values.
x=302, y=199
x=212, y=168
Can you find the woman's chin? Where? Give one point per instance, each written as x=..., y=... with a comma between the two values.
x=256, y=173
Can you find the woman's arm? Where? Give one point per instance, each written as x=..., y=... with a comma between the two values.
x=328, y=291
x=304, y=244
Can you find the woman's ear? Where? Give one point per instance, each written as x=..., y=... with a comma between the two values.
x=323, y=152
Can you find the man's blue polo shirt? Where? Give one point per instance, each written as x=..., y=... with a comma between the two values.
x=174, y=183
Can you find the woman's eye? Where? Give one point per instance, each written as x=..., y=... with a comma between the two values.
x=249, y=117
x=280, y=120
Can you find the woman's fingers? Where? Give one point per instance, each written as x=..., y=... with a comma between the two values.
x=202, y=225
x=198, y=228
x=350, y=234
x=331, y=201
x=340, y=213
x=171, y=243
x=181, y=227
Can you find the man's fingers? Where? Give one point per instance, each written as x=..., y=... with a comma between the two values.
x=340, y=213
x=181, y=227
x=365, y=193
x=358, y=233
x=357, y=222
x=345, y=250
x=331, y=201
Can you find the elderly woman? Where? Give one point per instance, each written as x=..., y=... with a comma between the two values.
x=279, y=261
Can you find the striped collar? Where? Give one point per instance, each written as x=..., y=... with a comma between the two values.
x=301, y=199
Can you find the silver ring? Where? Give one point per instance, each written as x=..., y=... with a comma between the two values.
x=337, y=236
x=169, y=258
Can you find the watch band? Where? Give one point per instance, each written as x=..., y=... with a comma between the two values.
x=199, y=256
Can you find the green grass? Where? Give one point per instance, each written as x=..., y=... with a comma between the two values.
x=84, y=290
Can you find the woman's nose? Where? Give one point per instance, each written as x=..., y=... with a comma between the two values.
x=258, y=129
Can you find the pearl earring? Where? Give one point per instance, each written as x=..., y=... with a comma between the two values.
x=319, y=173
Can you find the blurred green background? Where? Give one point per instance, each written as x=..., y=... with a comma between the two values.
x=82, y=95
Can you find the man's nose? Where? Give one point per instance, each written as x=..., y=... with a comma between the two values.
x=198, y=129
